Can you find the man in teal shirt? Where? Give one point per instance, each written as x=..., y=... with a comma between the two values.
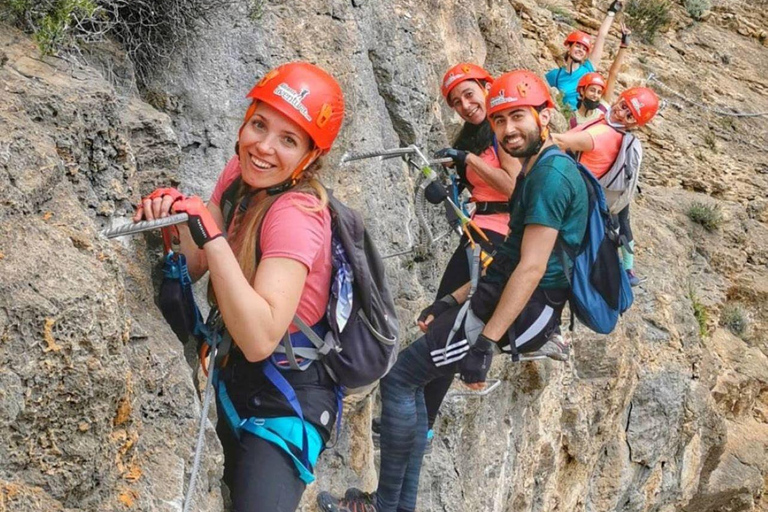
x=581, y=57
x=515, y=309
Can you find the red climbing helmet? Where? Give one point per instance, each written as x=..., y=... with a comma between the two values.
x=642, y=102
x=519, y=88
x=305, y=94
x=577, y=36
x=460, y=72
x=591, y=79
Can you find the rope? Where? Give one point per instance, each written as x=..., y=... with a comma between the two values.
x=652, y=78
x=201, y=432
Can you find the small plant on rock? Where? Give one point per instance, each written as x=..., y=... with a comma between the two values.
x=697, y=8
x=709, y=216
x=648, y=17
x=734, y=318
x=564, y=107
x=700, y=312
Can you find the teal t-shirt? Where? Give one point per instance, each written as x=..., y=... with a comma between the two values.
x=566, y=82
x=551, y=194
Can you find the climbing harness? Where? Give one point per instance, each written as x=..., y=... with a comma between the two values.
x=416, y=159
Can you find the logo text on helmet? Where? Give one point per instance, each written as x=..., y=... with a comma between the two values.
x=451, y=78
x=501, y=99
x=636, y=103
x=294, y=98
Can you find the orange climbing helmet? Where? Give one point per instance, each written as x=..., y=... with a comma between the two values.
x=461, y=72
x=642, y=102
x=577, y=36
x=519, y=88
x=590, y=79
x=305, y=94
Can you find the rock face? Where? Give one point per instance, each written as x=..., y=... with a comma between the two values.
x=97, y=407
x=670, y=413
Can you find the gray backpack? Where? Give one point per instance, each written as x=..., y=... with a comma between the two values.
x=620, y=182
x=360, y=349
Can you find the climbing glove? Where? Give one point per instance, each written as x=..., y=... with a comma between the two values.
x=615, y=6
x=201, y=223
x=458, y=156
x=475, y=365
x=438, y=307
x=625, y=36
x=435, y=193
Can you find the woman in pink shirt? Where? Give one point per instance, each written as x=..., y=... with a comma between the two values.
x=489, y=174
x=273, y=263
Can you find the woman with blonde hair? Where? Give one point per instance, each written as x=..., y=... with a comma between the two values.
x=274, y=262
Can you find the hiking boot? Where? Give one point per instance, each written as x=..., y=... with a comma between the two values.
x=556, y=348
x=633, y=279
x=354, y=500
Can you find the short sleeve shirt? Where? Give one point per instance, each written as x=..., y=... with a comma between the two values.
x=552, y=194
x=606, y=143
x=593, y=114
x=566, y=82
x=294, y=228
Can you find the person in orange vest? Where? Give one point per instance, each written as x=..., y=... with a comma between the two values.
x=597, y=146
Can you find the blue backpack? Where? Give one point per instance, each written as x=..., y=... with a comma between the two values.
x=600, y=289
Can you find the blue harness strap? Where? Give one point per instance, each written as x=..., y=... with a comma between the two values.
x=283, y=430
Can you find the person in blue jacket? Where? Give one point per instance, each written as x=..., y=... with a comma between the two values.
x=581, y=57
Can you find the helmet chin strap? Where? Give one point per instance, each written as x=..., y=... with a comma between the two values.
x=618, y=126
x=544, y=130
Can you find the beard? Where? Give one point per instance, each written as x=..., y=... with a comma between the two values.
x=531, y=144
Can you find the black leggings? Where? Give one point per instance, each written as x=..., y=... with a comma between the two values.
x=260, y=476
x=624, y=226
x=456, y=275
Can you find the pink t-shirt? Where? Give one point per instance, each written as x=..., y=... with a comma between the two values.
x=606, y=142
x=292, y=230
x=482, y=192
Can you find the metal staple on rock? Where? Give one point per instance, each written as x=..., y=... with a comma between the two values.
x=652, y=78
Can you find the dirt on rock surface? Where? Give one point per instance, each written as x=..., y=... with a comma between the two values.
x=98, y=408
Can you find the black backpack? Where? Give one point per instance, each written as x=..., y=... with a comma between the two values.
x=364, y=350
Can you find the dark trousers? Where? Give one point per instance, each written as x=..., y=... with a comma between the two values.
x=456, y=275
x=260, y=476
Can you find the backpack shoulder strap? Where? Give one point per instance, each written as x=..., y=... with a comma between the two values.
x=227, y=202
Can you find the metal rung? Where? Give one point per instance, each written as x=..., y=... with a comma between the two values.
x=491, y=385
x=131, y=228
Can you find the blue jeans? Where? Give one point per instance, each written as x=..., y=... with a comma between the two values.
x=404, y=426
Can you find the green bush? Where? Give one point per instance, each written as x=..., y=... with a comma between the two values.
x=700, y=312
x=734, y=318
x=709, y=216
x=564, y=107
x=648, y=17
x=150, y=30
x=54, y=23
x=697, y=8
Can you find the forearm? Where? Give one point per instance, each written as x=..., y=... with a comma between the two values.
x=248, y=316
x=462, y=293
x=602, y=34
x=499, y=179
x=613, y=74
x=515, y=296
x=196, y=260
